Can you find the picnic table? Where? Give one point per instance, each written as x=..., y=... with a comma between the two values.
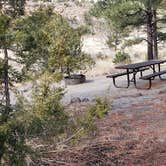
x=134, y=68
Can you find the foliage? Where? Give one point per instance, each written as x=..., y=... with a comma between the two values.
x=133, y=14
x=17, y=7
x=116, y=35
x=97, y=111
x=121, y=57
x=87, y=18
x=48, y=116
x=47, y=39
x=12, y=142
x=124, y=13
x=131, y=42
x=84, y=29
x=97, y=9
x=1, y=71
x=43, y=117
x=101, y=56
x=4, y=35
x=115, y=38
x=31, y=38
x=41, y=41
x=162, y=36
x=66, y=51
x=34, y=40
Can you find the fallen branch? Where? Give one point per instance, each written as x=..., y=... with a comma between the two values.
x=71, y=137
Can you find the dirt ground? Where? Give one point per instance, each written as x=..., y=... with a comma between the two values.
x=132, y=134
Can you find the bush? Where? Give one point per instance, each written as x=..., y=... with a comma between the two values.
x=96, y=111
x=84, y=126
x=43, y=117
x=88, y=19
x=121, y=57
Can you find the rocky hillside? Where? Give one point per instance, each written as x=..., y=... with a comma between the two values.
x=72, y=10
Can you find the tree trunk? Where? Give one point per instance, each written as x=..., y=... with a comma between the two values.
x=2, y=148
x=6, y=81
x=155, y=45
x=68, y=71
x=6, y=111
x=149, y=34
x=0, y=6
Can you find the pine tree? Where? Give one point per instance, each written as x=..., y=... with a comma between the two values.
x=6, y=15
x=134, y=13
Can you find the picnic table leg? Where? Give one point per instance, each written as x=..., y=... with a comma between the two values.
x=135, y=81
x=141, y=73
x=134, y=78
x=149, y=86
x=114, y=82
x=128, y=81
x=134, y=74
x=154, y=70
x=159, y=68
x=150, y=83
x=128, y=78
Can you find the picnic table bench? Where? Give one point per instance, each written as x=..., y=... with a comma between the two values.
x=114, y=76
x=150, y=77
x=133, y=69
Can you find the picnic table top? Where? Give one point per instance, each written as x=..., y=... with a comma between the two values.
x=140, y=64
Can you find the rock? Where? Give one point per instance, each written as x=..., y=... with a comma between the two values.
x=140, y=94
x=75, y=100
x=162, y=91
x=85, y=100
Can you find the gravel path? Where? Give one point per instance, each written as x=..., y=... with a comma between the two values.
x=103, y=87
x=96, y=87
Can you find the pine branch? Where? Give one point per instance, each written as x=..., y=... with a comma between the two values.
x=163, y=20
x=14, y=60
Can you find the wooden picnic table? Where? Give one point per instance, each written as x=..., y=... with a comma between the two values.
x=134, y=68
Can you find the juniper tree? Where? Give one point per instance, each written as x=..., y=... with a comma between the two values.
x=47, y=40
x=36, y=41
